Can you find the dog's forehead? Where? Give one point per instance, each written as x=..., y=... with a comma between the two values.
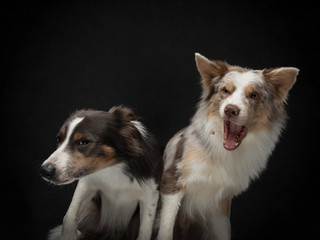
x=72, y=124
x=243, y=79
x=91, y=121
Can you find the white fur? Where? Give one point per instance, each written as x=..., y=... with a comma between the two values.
x=60, y=157
x=240, y=81
x=119, y=197
x=148, y=207
x=171, y=204
x=218, y=226
x=141, y=128
x=71, y=127
x=224, y=173
x=235, y=168
x=211, y=180
x=214, y=174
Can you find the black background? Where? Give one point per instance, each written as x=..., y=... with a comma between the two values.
x=60, y=56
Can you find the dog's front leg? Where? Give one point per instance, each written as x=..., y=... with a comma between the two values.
x=219, y=223
x=170, y=208
x=148, y=207
x=82, y=196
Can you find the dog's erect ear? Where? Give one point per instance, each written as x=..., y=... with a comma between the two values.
x=210, y=69
x=281, y=79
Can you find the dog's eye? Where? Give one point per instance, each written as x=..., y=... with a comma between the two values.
x=226, y=91
x=84, y=142
x=253, y=95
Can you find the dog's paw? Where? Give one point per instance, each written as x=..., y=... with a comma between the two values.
x=69, y=235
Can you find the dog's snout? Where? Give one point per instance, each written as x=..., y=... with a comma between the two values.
x=48, y=171
x=231, y=110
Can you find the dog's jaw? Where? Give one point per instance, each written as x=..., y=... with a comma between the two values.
x=233, y=135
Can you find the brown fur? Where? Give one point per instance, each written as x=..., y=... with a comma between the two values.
x=281, y=79
x=78, y=136
x=203, y=166
x=98, y=140
x=230, y=87
x=63, y=132
x=225, y=205
x=83, y=165
x=89, y=220
x=170, y=178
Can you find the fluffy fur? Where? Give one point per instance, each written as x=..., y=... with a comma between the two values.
x=118, y=165
x=233, y=132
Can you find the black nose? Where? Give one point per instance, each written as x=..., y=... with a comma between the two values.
x=48, y=171
x=231, y=110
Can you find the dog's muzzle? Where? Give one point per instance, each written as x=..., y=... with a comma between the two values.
x=48, y=171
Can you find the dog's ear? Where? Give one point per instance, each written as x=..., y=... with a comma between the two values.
x=127, y=141
x=281, y=79
x=124, y=113
x=210, y=69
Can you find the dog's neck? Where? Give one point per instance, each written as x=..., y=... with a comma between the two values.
x=255, y=149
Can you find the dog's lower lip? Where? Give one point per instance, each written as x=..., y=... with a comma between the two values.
x=64, y=182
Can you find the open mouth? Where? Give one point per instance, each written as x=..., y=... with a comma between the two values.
x=233, y=135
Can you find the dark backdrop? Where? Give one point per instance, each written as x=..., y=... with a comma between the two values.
x=60, y=56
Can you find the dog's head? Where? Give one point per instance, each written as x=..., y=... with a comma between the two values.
x=244, y=99
x=91, y=140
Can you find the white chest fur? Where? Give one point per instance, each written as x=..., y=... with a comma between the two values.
x=120, y=195
x=213, y=173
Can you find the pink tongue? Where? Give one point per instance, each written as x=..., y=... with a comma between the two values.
x=234, y=128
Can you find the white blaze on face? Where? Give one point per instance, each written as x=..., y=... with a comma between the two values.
x=60, y=157
x=240, y=81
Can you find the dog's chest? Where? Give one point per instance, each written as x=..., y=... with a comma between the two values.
x=206, y=186
x=117, y=208
x=211, y=180
x=120, y=196
x=208, y=179
x=224, y=172
x=199, y=167
x=115, y=185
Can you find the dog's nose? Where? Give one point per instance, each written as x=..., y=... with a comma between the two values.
x=48, y=171
x=231, y=110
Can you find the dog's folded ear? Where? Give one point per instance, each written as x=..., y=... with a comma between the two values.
x=210, y=69
x=281, y=79
x=124, y=113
